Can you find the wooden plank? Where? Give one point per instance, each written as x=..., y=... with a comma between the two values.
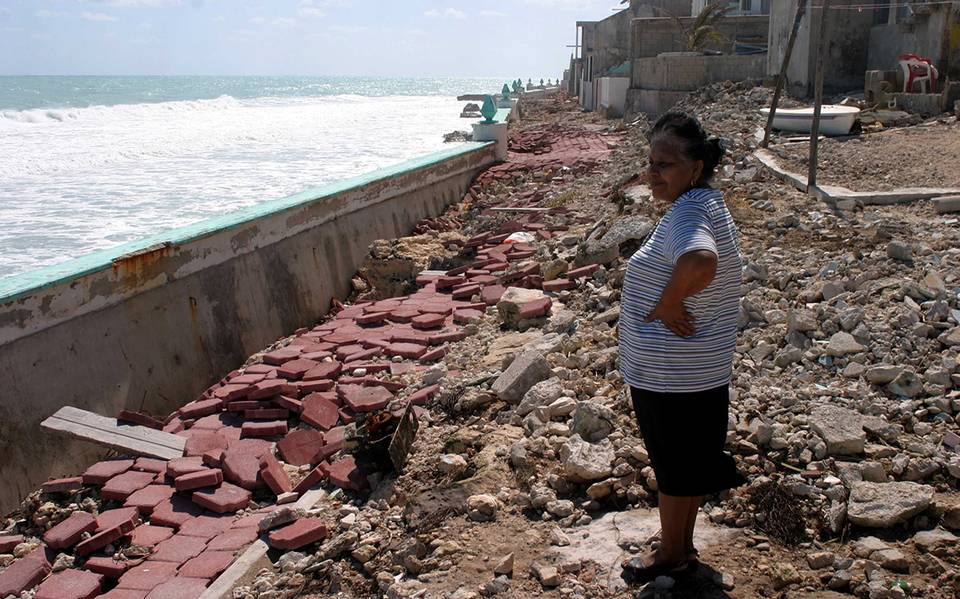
x=222, y=587
x=518, y=209
x=132, y=439
x=124, y=429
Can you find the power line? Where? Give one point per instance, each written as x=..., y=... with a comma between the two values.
x=862, y=7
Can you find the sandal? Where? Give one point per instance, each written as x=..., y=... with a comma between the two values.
x=635, y=569
x=693, y=555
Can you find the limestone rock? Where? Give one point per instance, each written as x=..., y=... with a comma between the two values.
x=528, y=369
x=543, y=393
x=843, y=343
x=586, y=462
x=882, y=374
x=883, y=505
x=841, y=429
x=513, y=300
x=482, y=508
x=593, y=421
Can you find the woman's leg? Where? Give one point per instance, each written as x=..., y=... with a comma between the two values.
x=674, y=513
x=694, y=509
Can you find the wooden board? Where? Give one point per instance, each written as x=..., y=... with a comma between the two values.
x=130, y=439
x=222, y=587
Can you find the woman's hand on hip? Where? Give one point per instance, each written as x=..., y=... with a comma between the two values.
x=674, y=316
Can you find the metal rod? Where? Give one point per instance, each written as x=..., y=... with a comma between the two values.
x=782, y=79
x=818, y=103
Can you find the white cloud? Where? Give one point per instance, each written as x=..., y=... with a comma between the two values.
x=312, y=12
x=49, y=14
x=138, y=3
x=447, y=13
x=492, y=14
x=97, y=16
x=565, y=4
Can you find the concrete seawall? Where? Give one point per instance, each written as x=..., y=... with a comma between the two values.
x=149, y=325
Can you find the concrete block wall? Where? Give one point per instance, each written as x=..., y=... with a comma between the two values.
x=651, y=37
x=149, y=325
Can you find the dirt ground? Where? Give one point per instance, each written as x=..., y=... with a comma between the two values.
x=925, y=156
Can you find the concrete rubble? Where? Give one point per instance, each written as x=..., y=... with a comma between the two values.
x=528, y=470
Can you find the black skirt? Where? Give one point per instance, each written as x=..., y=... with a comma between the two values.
x=685, y=434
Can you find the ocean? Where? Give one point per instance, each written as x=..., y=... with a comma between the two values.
x=87, y=163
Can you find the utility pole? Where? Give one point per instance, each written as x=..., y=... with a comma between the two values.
x=782, y=79
x=818, y=104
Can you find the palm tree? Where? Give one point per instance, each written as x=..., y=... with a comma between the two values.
x=703, y=30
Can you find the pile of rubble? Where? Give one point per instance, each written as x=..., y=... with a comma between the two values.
x=528, y=477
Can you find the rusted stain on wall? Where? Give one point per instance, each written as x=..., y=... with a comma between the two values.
x=136, y=268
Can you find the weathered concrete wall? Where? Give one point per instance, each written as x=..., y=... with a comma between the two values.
x=927, y=34
x=651, y=37
x=847, y=44
x=660, y=82
x=151, y=329
x=661, y=8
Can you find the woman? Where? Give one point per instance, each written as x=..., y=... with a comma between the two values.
x=678, y=328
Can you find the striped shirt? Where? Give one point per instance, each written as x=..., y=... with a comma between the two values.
x=652, y=357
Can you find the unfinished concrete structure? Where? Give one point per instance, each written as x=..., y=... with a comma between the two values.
x=860, y=40
x=625, y=66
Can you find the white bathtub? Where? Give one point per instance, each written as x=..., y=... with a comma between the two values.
x=834, y=119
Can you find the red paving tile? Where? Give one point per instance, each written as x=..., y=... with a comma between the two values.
x=434, y=354
x=62, y=485
x=311, y=480
x=288, y=403
x=206, y=526
x=232, y=392
x=213, y=458
x=301, y=533
x=267, y=414
x=124, y=594
x=7, y=543
x=199, y=409
x=70, y=584
x=181, y=466
x=233, y=539
x=319, y=412
x=226, y=498
x=208, y=564
x=147, y=575
x=110, y=567
x=101, y=472
x=179, y=588
x=150, y=465
x=178, y=549
x=199, y=479
x=295, y=369
x=300, y=446
x=364, y=399
x=69, y=532
x=140, y=419
x=406, y=350
x=535, y=308
x=149, y=497
x=122, y=486
x=25, y=573
x=274, y=475
x=345, y=474
x=202, y=442
x=147, y=535
x=175, y=512
x=111, y=518
x=260, y=430
x=282, y=356
x=270, y=388
x=242, y=468
x=419, y=398
x=104, y=538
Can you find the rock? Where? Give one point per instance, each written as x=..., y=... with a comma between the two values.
x=586, y=462
x=802, y=321
x=593, y=421
x=928, y=540
x=561, y=508
x=866, y=546
x=542, y=394
x=883, y=505
x=892, y=559
x=500, y=584
x=528, y=369
x=882, y=374
x=820, y=560
x=604, y=246
x=512, y=302
x=548, y=576
x=452, y=464
x=907, y=384
x=558, y=539
x=841, y=429
x=482, y=508
x=843, y=343
x=784, y=574
x=900, y=251
x=505, y=566
x=950, y=338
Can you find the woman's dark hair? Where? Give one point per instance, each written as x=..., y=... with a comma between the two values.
x=697, y=146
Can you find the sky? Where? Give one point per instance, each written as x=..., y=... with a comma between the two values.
x=406, y=38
